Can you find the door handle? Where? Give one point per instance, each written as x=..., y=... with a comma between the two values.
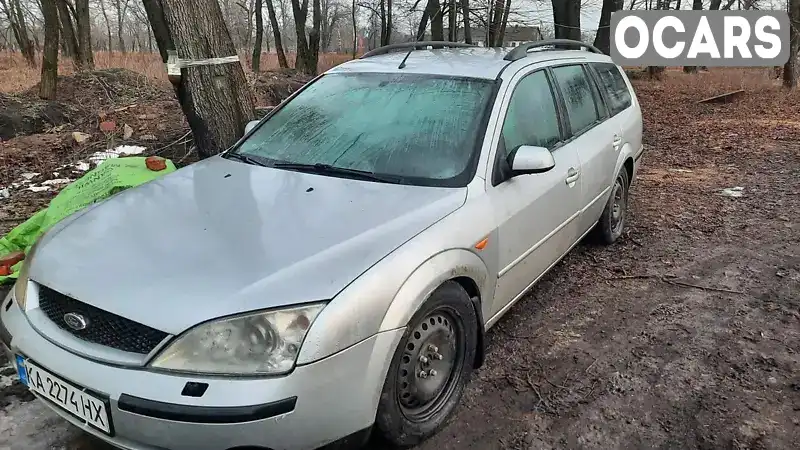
x=617, y=142
x=572, y=175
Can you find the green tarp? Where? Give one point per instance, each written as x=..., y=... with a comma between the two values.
x=108, y=178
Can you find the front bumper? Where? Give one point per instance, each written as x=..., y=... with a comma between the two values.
x=314, y=405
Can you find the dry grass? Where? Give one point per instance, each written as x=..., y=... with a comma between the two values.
x=17, y=76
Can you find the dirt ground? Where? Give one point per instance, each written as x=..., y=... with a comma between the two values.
x=685, y=334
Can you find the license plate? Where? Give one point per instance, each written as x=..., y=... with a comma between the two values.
x=67, y=396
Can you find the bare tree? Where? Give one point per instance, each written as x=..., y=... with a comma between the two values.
x=307, y=46
x=68, y=37
x=259, y=35
x=83, y=22
x=122, y=10
x=276, y=34
x=47, y=86
x=16, y=20
x=108, y=25
x=465, y=15
x=790, y=68
x=214, y=97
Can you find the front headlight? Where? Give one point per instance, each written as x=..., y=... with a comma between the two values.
x=21, y=285
x=261, y=343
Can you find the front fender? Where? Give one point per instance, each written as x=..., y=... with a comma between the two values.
x=385, y=298
x=430, y=275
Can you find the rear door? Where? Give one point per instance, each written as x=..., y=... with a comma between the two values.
x=591, y=136
x=619, y=98
x=536, y=214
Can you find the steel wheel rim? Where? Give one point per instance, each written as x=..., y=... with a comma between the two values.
x=431, y=365
x=617, y=206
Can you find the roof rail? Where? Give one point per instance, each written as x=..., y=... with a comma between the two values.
x=413, y=46
x=522, y=50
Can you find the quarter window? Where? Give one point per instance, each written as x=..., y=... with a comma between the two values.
x=577, y=92
x=611, y=80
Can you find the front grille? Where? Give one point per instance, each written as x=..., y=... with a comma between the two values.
x=102, y=327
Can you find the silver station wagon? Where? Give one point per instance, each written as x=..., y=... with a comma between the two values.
x=332, y=275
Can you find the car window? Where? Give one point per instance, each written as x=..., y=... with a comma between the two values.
x=577, y=92
x=531, y=118
x=612, y=82
x=420, y=129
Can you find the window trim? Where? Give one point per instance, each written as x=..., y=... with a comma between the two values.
x=574, y=135
x=496, y=178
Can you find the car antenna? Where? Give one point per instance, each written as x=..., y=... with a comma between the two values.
x=403, y=62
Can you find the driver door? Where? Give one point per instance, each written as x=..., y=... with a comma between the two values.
x=536, y=213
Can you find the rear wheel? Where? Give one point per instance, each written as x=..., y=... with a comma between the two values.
x=612, y=221
x=430, y=368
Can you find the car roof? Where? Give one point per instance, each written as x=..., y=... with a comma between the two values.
x=477, y=62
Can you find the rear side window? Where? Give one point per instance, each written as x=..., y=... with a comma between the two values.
x=582, y=110
x=611, y=80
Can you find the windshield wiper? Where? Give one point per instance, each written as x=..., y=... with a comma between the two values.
x=327, y=169
x=246, y=159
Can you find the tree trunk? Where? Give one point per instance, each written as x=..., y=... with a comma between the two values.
x=389, y=7
x=47, y=86
x=276, y=34
x=84, y=35
x=465, y=13
x=121, y=11
x=567, y=19
x=158, y=24
x=452, y=22
x=602, y=39
x=68, y=31
x=715, y=5
x=300, y=13
x=433, y=12
x=259, y=36
x=790, y=68
x=108, y=26
x=27, y=47
x=502, y=36
x=495, y=23
x=423, y=22
x=697, y=5
x=355, y=29
x=215, y=98
x=13, y=13
x=307, y=47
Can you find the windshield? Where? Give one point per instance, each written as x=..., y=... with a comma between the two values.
x=417, y=129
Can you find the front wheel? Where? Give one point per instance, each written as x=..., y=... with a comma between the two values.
x=612, y=221
x=430, y=368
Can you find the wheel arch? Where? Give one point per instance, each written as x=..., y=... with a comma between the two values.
x=458, y=265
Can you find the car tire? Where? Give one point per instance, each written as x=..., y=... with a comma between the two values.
x=612, y=221
x=441, y=340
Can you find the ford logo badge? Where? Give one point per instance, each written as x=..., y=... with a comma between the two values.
x=76, y=321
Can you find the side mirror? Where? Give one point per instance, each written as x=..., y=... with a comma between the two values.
x=530, y=159
x=250, y=125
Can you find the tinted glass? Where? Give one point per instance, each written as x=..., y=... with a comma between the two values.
x=531, y=118
x=421, y=129
x=614, y=85
x=574, y=85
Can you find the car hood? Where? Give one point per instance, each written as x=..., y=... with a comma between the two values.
x=222, y=237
